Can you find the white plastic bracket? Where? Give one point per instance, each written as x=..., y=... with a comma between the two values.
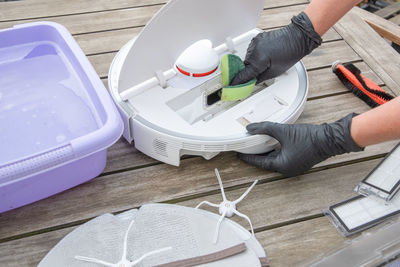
x=230, y=44
x=228, y=208
x=161, y=79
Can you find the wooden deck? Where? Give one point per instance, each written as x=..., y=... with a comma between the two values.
x=286, y=212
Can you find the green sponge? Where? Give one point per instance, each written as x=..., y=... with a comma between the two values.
x=230, y=66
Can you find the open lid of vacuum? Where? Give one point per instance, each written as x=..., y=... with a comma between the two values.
x=179, y=24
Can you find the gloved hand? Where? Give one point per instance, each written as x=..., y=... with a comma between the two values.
x=272, y=53
x=302, y=145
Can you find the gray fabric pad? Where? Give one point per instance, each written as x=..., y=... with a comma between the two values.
x=189, y=233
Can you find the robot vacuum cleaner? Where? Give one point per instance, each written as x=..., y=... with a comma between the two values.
x=166, y=83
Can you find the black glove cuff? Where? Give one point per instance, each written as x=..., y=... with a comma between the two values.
x=303, y=22
x=351, y=146
x=335, y=138
x=341, y=130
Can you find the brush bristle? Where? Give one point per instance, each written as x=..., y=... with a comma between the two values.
x=352, y=88
x=382, y=94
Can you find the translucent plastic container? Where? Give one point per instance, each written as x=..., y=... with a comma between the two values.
x=56, y=117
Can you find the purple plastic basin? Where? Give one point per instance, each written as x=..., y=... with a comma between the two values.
x=56, y=117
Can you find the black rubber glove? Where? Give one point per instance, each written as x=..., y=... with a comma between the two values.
x=272, y=53
x=302, y=145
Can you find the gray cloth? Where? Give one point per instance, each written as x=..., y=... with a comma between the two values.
x=189, y=232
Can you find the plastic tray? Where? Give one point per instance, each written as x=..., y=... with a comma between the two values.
x=56, y=117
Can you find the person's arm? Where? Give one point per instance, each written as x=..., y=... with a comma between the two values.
x=304, y=145
x=377, y=125
x=325, y=13
x=272, y=53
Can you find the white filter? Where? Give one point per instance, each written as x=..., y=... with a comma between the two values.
x=359, y=213
x=384, y=180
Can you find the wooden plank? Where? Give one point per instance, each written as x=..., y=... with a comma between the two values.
x=321, y=57
x=388, y=11
x=278, y=17
x=43, y=8
x=377, y=53
x=282, y=3
x=102, y=62
x=123, y=156
x=385, y=33
x=110, y=41
x=395, y=19
x=383, y=27
x=28, y=9
x=268, y=204
x=328, y=53
x=30, y=250
x=121, y=191
x=298, y=243
x=100, y=21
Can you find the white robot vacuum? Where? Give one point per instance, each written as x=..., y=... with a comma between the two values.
x=166, y=83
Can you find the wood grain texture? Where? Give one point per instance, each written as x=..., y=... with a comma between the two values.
x=100, y=21
x=81, y=23
x=396, y=19
x=328, y=53
x=123, y=156
x=280, y=16
x=376, y=52
x=282, y=3
x=125, y=190
x=298, y=243
x=28, y=9
x=44, y=8
x=388, y=11
x=387, y=29
x=30, y=250
x=266, y=205
x=385, y=33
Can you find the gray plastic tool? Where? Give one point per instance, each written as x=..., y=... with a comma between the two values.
x=373, y=248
